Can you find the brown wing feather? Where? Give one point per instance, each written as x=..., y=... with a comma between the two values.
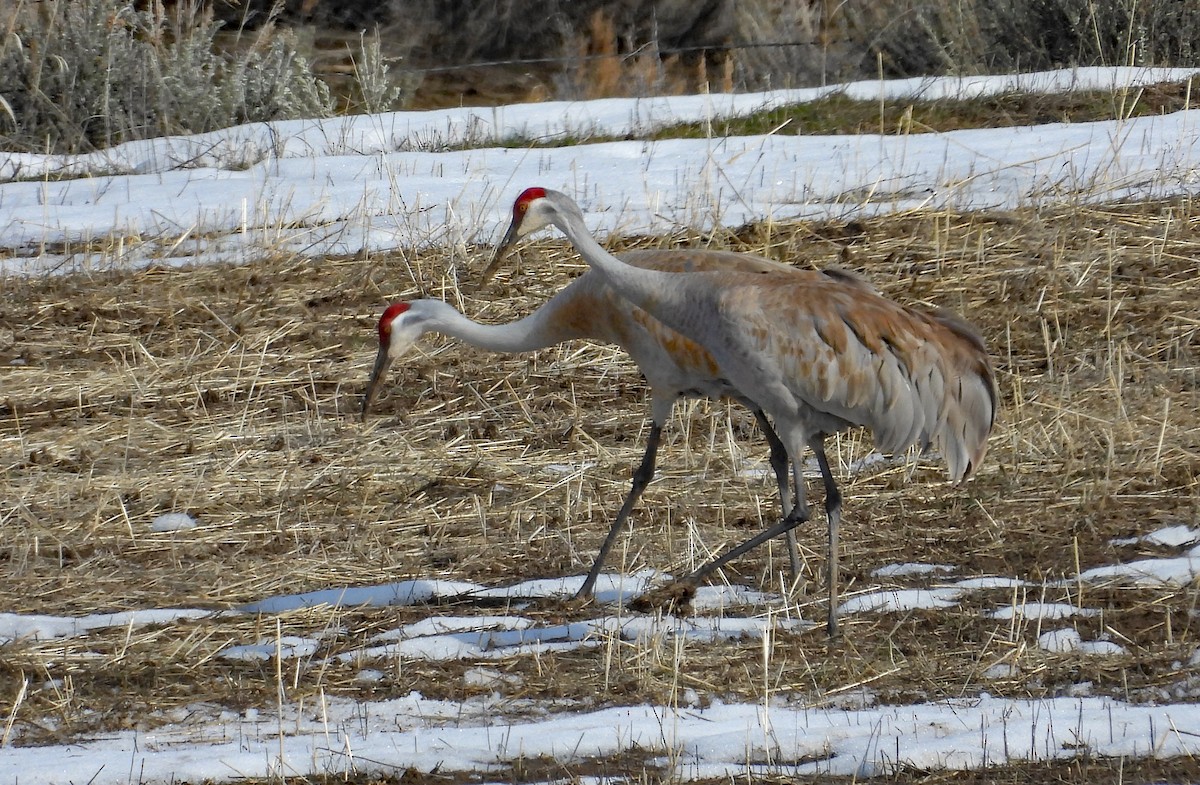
x=850, y=357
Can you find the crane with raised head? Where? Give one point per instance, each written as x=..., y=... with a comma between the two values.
x=818, y=353
x=588, y=308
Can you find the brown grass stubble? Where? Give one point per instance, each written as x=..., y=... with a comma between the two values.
x=232, y=393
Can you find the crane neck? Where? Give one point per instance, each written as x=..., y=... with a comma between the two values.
x=647, y=289
x=536, y=331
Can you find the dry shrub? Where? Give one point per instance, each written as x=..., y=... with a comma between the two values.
x=78, y=76
x=600, y=70
x=811, y=49
x=606, y=69
x=726, y=80
x=827, y=41
x=916, y=37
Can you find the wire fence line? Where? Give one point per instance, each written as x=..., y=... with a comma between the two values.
x=644, y=48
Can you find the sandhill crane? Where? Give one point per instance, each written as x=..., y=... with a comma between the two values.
x=816, y=353
x=588, y=308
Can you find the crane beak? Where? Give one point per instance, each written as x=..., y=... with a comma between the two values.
x=510, y=239
x=383, y=361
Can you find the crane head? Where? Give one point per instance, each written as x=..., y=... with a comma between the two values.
x=528, y=215
x=398, y=331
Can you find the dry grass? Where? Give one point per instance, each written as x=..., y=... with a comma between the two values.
x=232, y=393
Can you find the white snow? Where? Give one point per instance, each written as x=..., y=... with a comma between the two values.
x=477, y=734
x=892, y=600
x=1170, y=537
x=903, y=570
x=401, y=593
x=388, y=181
x=172, y=522
x=722, y=740
x=1066, y=640
x=1042, y=610
x=14, y=626
x=361, y=183
x=285, y=647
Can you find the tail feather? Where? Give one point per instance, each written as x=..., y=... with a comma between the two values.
x=971, y=401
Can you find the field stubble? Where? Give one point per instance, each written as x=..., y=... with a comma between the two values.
x=233, y=393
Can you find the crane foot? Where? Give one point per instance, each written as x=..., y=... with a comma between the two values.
x=674, y=596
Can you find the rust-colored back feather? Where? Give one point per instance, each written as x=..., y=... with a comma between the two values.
x=840, y=355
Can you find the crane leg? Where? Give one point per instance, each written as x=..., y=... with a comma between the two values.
x=797, y=516
x=641, y=478
x=833, y=513
x=779, y=464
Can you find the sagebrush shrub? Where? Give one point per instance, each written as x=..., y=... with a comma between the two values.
x=79, y=76
x=918, y=37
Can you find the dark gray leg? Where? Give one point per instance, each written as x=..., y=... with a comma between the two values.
x=779, y=464
x=833, y=512
x=641, y=478
x=797, y=516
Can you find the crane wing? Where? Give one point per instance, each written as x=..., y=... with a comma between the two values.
x=839, y=355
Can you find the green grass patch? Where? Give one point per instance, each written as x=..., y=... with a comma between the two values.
x=839, y=114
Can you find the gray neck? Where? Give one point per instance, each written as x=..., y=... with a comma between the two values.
x=647, y=289
x=536, y=331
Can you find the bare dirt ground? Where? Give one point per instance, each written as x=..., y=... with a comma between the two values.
x=233, y=393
